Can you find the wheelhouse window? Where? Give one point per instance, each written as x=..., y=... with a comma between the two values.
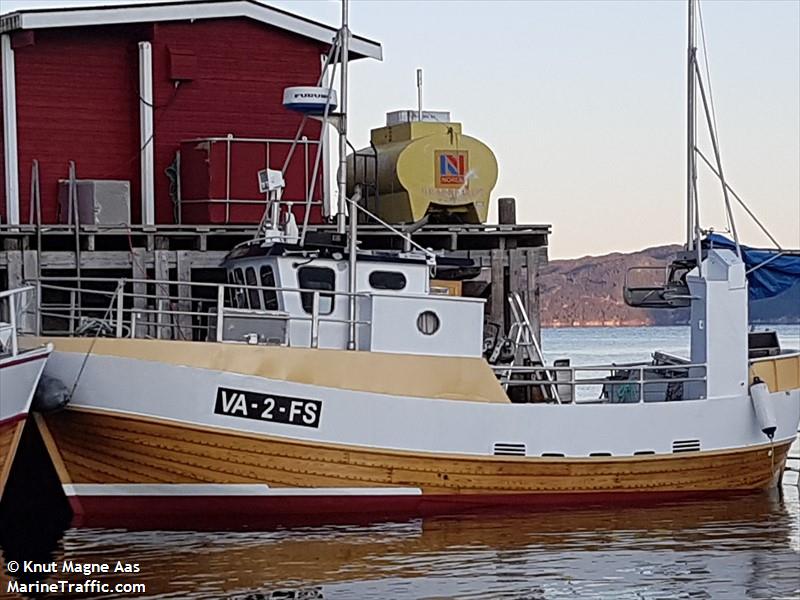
x=252, y=294
x=387, y=280
x=268, y=281
x=239, y=299
x=317, y=278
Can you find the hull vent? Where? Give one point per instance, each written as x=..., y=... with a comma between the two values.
x=506, y=449
x=686, y=445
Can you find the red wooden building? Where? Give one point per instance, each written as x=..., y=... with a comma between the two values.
x=120, y=89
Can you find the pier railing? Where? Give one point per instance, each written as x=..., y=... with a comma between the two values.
x=273, y=149
x=164, y=309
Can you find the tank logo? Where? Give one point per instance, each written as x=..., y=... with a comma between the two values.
x=451, y=168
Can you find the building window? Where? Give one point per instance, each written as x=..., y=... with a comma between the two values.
x=387, y=280
x=268, y=281
x=428, y=322
x=317, y=278
x=252, y=294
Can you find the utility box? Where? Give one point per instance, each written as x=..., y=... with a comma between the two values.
x=100, y=202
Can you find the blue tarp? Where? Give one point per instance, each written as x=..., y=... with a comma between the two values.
x=778, y=274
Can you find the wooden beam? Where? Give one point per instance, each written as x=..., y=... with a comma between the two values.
x=30, y=269
x=184, y=273
x=516, y=282
x=139, y=289
x=14, y=276
x=532, y=296
x=498, y=299
x=162, y=293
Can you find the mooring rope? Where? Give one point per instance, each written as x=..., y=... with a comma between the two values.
x=106, y=316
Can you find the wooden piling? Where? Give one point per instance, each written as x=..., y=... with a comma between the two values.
x=507, y=211
x=139, y=289
x=184, y=273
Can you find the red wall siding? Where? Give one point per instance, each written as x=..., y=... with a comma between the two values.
x=242, y=70
x=77, y=99
x=2, y=158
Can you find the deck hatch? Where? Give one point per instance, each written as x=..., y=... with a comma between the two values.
x=509, y=449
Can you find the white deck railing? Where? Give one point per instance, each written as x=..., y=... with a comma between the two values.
x=617, y=383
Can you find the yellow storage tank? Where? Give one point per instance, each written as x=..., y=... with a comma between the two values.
x=424, y=168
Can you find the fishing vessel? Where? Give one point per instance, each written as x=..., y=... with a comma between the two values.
x=20, y=370
x=325, y=379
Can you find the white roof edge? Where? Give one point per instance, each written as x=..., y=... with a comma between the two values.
x=118, y=15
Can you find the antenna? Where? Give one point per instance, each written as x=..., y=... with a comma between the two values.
x=419, y=95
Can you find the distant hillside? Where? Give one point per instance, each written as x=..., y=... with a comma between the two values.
x=587, y=292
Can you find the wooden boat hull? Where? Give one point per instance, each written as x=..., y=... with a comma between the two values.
x=19, y=376
x=112, y=465
x=10, y=433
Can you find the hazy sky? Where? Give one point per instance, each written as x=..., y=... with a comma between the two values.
x=584, y=105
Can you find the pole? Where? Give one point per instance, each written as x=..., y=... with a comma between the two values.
x=352, y=249
x=691, y=171
x=146, y=133
x=341, y=220
x=419, y=95
x=344, y=40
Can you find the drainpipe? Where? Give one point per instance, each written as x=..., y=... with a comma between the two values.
x=146, y=133
x=10, y=130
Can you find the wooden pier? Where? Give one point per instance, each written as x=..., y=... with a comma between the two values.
x=510, y=255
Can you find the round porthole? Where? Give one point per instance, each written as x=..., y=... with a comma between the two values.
x=428, y=322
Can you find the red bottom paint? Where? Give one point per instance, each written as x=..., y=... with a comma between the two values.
x=204, y=512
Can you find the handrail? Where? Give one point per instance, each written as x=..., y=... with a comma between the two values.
x=248, y=140
x=205, y=284
x=608, y=367
x=574, y=381
x=793, y=354
x=16, y=291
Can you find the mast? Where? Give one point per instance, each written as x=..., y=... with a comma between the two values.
x=691, y=165
x=344, y=40
x=341, y=220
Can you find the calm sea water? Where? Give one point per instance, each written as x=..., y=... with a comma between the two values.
x=734, y=548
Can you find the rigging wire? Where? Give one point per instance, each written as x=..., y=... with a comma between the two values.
x=741, y=202
x=705, y=62
x=99, y=330
x=713, y=129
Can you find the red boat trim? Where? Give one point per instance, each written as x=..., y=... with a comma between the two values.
x=24, y=359
x=13, y=419
x=228, y=510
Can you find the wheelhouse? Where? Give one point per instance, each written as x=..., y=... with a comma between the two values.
x=285, y=295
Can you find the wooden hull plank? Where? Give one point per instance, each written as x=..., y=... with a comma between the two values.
x=96, y=448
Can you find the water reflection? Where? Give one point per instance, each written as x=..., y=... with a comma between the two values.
x=739, y=547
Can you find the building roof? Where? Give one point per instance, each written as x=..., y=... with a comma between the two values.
x=82, y=16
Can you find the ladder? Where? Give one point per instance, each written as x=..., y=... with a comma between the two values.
x=526, y=344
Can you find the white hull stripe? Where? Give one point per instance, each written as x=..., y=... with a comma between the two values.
x=223, y=489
